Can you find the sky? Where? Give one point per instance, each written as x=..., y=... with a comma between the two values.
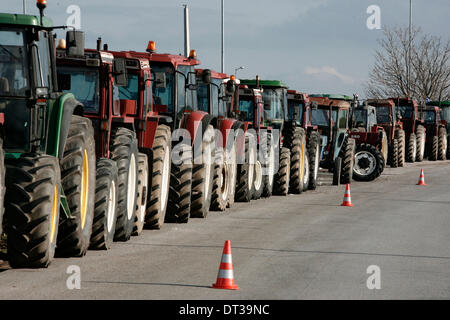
x=315, y=46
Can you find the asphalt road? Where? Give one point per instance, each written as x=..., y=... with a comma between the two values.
x=297, y=247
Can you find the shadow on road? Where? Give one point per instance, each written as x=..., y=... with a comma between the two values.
x=147, y=283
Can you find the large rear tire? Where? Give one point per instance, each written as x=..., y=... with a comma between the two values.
x=393, y=153
x=142, y=191
x=412, y=148
x=179, y=205
x=369, y=163
x=105, y=212
x=232, y=168
x=442, y=153
x=32, y=205
x=306, y=175
x=295, y=140
x=282, y=177
x=202, y=177
x=221, y=182
x=246, y=170
x=400, y=136
x=347, y=155
x=267, y=159
x=78, y=182
x=160, y=179
x=420, y=134
x=434, y=149
x=258, y=184
x=314, y=159
x=124, y=152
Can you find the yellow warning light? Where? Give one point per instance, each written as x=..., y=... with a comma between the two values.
x=232, y=78
x=193, y=54
x=151, y=47
x=62, y=44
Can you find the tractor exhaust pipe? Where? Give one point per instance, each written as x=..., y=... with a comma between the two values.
x=187, y=32
x=99, y=44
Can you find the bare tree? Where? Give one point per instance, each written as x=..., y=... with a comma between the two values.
x=430, y=66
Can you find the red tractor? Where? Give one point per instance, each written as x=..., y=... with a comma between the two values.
x=413, y=133
x=436, y=133
x=96, y=79
x=174, y=93
x=371, y=143
x=212, y=98
x=299, y=114
x=387, y=117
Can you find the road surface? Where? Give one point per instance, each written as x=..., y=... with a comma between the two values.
x=297, y=247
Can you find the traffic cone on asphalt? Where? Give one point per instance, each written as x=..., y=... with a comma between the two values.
x=347, y=198
x=421, y=179
x=225, y=278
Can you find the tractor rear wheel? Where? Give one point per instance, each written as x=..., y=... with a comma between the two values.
x=78, y=182
x=32, y=205
x=347, y=155
x=295, y=141
x=124, y=152
x=258, y=182
x=314, y=159
x=384, y=147
x=246, y=170
x=142, y=190
x=420, y=134
x=105, y=212
x=307, y=174
x=179, y=204
x=232, y=168
x=434, y=148
x=369, y=163
x=221, y=182
x=2, y=185
x=442, y=153
x=202, y=177
x=281, y=180
x=267, y=160
x=160, y=179
x=400, y=136
x=412, y=148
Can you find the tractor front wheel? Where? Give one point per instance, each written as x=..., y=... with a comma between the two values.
x=347, y=155
x=420, y=134
x=314, y=159
x=434, y=149
x=246, y=170
x=442, y=153
x=412, y=148
x=369, y=163
x=281, y=185
x=142, y=190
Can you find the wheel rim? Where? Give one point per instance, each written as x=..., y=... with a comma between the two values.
x=306, y=175
x=251, y=168
x=111, y=206
x=302, y=158
x=84, y=188
x=414, y=150
x=365, y=163
x=54, y=215
x=232, y=168
x=316, y=164
x=271, y=164
x=165, y=179
x=142, y=207
x=131, y=193
x=258, y=175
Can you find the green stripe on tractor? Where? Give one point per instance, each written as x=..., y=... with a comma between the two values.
x=24, y=20
x=439, y=103
x=264, y=83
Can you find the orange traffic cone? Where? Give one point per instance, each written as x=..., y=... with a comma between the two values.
x=421, y=179
x=347, y=198
x=225, y=278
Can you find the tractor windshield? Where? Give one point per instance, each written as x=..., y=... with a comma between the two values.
x=247, y=108
x=292, y=104
x=164, y=95
x=273, y=107
x=429, y=116
x=320, y=117
x=13, y=63
x=383, y=115
x=405, y=111
x=202, y=96
x=445, y=113
x=84, y=84
x=360, y=118
x=130, y=92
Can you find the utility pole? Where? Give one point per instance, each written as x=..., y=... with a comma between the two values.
x=24, y=6
x=409, y=48
x=223, y=37
x=187, y=35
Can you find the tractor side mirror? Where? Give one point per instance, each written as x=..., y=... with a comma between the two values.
x=75, y=43
x=206, y=76
x=64, y=81
x=120, y=72
x=231, y=87
x=160, y=80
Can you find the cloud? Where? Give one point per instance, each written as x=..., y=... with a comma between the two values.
x=328, y=71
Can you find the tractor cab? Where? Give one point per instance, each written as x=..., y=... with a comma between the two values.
x=300, y=108
x=250, y=108
x=407, y=112
x=364, y=118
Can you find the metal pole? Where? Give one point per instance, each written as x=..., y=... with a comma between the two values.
x=223, y=37
x=409, y=48
x=24, y=7
x=187, y=36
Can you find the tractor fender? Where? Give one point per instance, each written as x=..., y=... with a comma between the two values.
x=191, y=122
x=227, y=125
x=65, y=107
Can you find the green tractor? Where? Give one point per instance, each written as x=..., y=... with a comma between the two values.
x=49, y=147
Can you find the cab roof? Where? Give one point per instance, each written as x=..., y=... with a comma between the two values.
x=439, y=103
x=173, y=59
x=214, y=74
x=325, y=102
x=381, y=102
x=265, y=83
x=24, y=20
